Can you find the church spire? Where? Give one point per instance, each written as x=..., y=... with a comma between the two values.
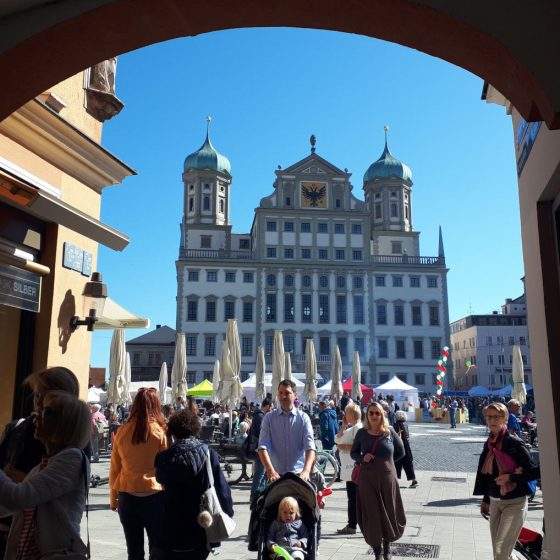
x=441, y=251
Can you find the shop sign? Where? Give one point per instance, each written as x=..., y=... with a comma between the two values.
x=19, y=288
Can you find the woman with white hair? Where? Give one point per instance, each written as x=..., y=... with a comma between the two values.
x=99, y=425
x=401, y=427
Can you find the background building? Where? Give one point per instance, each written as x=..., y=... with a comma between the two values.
x=149, y=351
x=486, y=341
x=318, y=263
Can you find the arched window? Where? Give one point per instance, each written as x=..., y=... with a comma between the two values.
x=271, y=280
x=340, y=282
x=222, y=205
x=324, y=281
x=306, y=281
x=289, y=280
x=206, y=203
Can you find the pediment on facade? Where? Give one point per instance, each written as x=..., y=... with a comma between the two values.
x=315, y=165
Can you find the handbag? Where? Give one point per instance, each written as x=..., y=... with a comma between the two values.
x=357, y=470
x=217, y=524
x=65, y=554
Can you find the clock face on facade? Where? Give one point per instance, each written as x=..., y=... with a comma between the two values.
x=313, y=195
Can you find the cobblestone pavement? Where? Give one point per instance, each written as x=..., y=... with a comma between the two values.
x=441, y=515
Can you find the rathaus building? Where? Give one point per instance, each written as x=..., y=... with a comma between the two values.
x=318, y=263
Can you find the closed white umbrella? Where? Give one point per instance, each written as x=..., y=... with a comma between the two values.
x=336, y=374
x=519, y=391
x=230, y=384
x=179, y=369
x=216, y=383
x=356, y=378
x=287, y=366
x=125, y=397
x=260, y=392
x=163, y=383
x=278, y=361
x=117, y=367
x=232, y=338
x=310, y=371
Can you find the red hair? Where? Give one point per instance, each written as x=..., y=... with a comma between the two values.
x=145, y=409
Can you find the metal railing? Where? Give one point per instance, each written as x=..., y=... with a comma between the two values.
x=406, y=260
x=217, y=254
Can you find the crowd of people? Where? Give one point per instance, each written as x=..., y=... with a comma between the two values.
x=160, y=468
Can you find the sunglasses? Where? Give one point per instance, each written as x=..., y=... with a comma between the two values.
x=493, y=417
x=374, y=413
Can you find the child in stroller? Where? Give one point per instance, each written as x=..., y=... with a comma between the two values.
x=288, y=530
x=265, y=512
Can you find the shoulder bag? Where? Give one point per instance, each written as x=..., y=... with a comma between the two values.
x=357, y=470
x=217, y=524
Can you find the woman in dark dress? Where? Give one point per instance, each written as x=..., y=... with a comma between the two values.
x=380, y=510
x=182, y=471
x=401, y=427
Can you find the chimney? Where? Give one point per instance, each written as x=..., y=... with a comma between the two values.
x=158, y=326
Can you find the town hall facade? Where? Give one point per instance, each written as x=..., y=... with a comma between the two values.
x=318, y=263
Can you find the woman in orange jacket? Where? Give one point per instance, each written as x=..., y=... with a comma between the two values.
x=135, y=492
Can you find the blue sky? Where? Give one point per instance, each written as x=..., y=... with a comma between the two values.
x=267, y=91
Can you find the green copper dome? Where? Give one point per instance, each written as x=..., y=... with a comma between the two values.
x=387, y=167
x=207, y=157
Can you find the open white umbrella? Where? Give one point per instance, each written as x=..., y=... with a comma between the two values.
x=287, y=366
x=356, y=378
x=117, y=367
x=216, y=383
x=179, y=369
x=260, y=392
x=278, y=361
x=310, y=371
x=163, y=383
x=519, y=391
x=336, y=374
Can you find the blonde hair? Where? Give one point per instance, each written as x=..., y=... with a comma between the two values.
x=355, y=410
x=72, y=419
x=289, y=502
x=498, y=407
x=384, y=423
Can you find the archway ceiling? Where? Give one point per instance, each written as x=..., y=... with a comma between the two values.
x=514, y=46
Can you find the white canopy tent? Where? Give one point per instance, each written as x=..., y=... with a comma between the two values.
x=403, y=393
x=249, y=386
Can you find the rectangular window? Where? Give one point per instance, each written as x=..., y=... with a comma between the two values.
x=360, y=347
x=288, y=253
x=190, y=343
x=193, y=276
x=396, y=247
x=524, y=359
x=511, y=340
x=244, y=244
x=270, y=226
x=192, y=310
x=289, y=343
x=343, y=346
x=288, y=226
x=305, y=227
x=339, y=228
x=383, y=377
x=271, y=252
x=208, y=375
x=382, y=348
x=356, y=228
x=356, y=255
x=403, y=377
x=205, y=241
x=381, y=314
x=211, y=276
x=248, y=277
x=501, y=360
x=136, y=358
x=247, y=311
x=432, y=281
x=306, y=253
x=435, y=345
x=247, y=346
x=378, y=211
x=289, y=315
x=340, y=254
x=269, y=343
x=400, y=348
x=434, y=315
x=522, y=341
x=415, y=281
x=323, y=308
x=322, y=227
x=490, y=359
x=416, y=314
x=230, y=276
x=419, y=379
x=488, y=341
x=399, y=314
x=270, y=308
x=211, y=310
x=500, y=340
x=397, y=282
x=341, y=309
x=210, y=345
x=306, y=308
x=323, y=254
x=418, y=349
x=324, y=345
x=358, y=310
x=229, y=310
x=358, y=282
x=380, y=281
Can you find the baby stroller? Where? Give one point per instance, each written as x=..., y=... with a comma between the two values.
x=266, y=510
x=529, y=544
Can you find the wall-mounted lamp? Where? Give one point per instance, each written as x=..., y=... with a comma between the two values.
x=95, y=294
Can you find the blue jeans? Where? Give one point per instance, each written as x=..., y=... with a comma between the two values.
x=137, y=514
x=453, y=418
x=258, y=476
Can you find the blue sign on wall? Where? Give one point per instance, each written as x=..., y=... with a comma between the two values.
x=75, y=258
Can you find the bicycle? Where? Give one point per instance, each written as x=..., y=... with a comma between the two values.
x=327, y=465
x=232, y=462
